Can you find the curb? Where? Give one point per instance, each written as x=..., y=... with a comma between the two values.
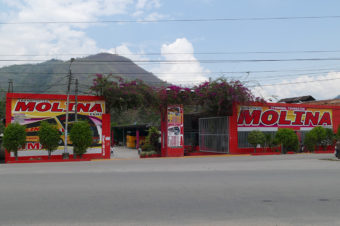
x=46, y=161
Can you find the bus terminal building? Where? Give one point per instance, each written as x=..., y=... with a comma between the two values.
x=180, y=134
x=229, y=134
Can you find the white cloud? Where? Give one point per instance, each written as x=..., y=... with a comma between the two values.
x=51, y=40
x=155, y=16
x=123, y=50
x=148, y=4
x=48, y=41
x=65, y=10
x=179, y=72
x=320, y=87
x=144, y=10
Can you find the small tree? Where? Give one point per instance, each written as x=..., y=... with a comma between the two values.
x=49, y=137
x=320, y=134
x=269, y=140
x=288, y=140
x=310, y=141
x=81, y=137
x=256, y=137
x=329, y=138
x=14, y=138
x=318, y=137
x=151, y=141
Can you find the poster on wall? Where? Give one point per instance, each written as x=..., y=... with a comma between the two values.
x=175, y=126
x=262, y=117
x=32, y=112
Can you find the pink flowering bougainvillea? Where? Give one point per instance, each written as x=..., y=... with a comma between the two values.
x=215, y=97
x=120, y=95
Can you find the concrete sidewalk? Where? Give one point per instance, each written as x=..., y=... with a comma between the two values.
x=121, y=152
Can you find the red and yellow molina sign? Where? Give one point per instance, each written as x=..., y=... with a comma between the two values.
x=280, y=116
x=31, y=113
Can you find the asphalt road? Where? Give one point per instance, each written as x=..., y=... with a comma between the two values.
x=247, y=190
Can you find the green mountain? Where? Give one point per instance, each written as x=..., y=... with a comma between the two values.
x=51, y=76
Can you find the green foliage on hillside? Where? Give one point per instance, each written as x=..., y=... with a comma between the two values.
x=50, y=76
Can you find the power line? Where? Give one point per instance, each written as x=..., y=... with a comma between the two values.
x=293, y=83
x=183, y=83
x=181, y=53
x=172, y=73
x=176, y=20
x=185, y=61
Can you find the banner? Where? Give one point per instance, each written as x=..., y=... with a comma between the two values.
x=175, y=126
x=277, y=116
x=31, y=113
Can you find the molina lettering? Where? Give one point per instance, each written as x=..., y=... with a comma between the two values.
x=275, y=117
x=325, y=119
x=23, y=106
x=298, y=118
x=312, y=119
x=270, y=117
x=283, y=119
x=248, y=118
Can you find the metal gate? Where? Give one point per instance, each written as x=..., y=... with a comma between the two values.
x=214, y=134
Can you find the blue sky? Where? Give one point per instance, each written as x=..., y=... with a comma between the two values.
x=196, y=41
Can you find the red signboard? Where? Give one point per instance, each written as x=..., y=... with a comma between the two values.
x=172, y=132
x=175, y=126
x=283, y=116
x=32, y=109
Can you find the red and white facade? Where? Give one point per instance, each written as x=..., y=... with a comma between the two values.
x=269, y=117
x=31, y=109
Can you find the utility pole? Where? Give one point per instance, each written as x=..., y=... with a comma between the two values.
x=76, y=100
x=66, y=154
x=10, y=86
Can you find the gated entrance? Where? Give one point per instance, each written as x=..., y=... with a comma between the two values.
x=214, y=134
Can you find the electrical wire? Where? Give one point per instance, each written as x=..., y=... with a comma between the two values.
x=187, y=61
x=181, y=53
x=293, y=83
x=172, y=73
x=175, y=20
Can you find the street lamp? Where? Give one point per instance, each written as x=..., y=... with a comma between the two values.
x=66, y=154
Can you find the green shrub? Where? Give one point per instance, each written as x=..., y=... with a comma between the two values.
x=81, y=137
x=269, y=140
x=329, y=139
x=49, y=137
x=288, y=140
x=14, y=138
x=319, y=137
x=320, y=134
x=256, y=137
x=148, y=153
x=143, y=154
x=153, y=137
x=152, y=153
x=310, y=141
x=151, y=141
x=147, y=147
